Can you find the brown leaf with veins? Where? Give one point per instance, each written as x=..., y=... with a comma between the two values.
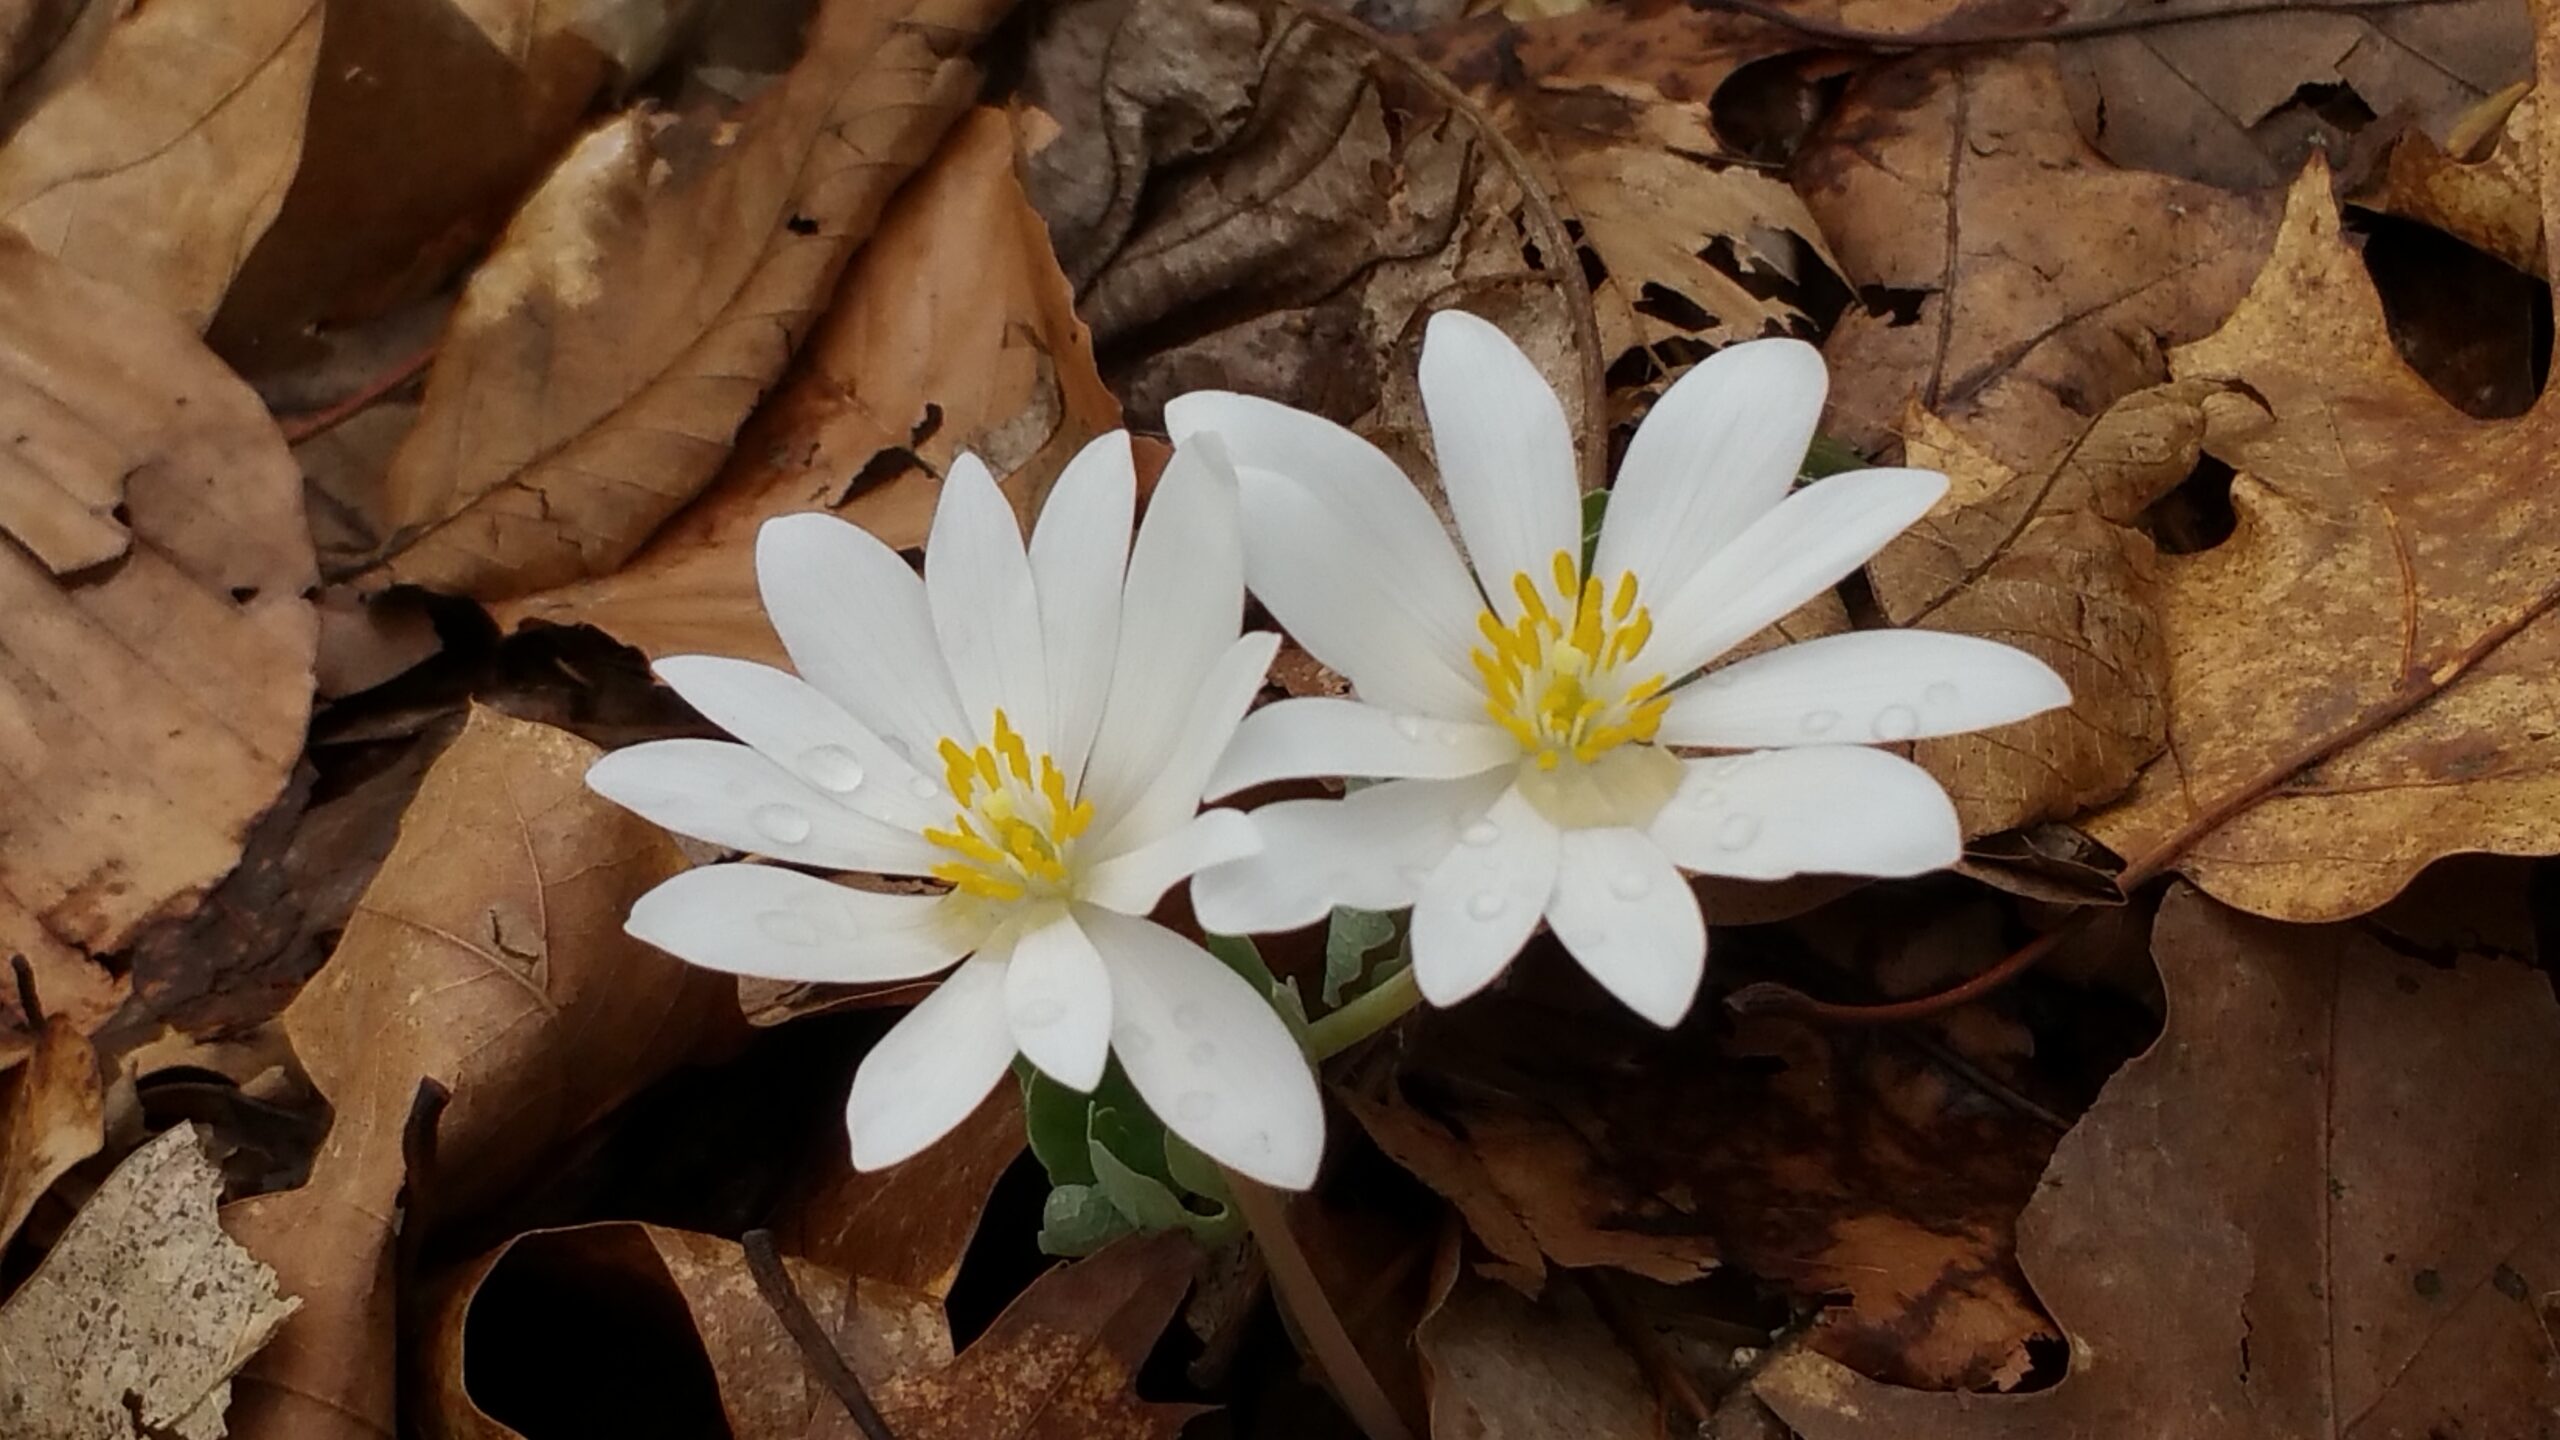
x=52, y=1117
x=2023, y=283
x=157, y=691
x=2490, y=200
x=161, y=164
x=487, y=955
x=952, y=331
x=911, y=1224
x=649, y=292
x=132, y=1326
x=2321, y=1205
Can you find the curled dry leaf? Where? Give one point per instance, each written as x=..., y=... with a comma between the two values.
x=159, y=690
x=52, y=1117
x=2016, y=282
x=2406, y=555
x=953, y=331
x=160, y=166
x=1500, y=1366
x=2493, y=200
x=909, y=1225
x=2321, y=1205
x=134, y=1323
x=649, y=292
x=488, y=956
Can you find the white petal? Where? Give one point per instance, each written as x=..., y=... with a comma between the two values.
x=1483, y=900
x=1212, y=1058
x=793, y=723
x=1347, y=554
x=783, y=925
x=1717, y=451
x=1629, y=917
x=1371, y=850
x=1870, y=685
x=1321, y=736
x=730, y=795
x=1179, y=615
x=1833, y=810
x=1134, y=881
x=853, y=617
x=986, y=612
x=1506, y=456
x=1079, y=558
x=932, y=1068
x=1058, y=999
x=1795, y=552
x=1172, y=793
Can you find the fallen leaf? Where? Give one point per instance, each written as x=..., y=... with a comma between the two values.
x=2015, y=283
x=2321, y=1205
x=52, y=1117
x=2242, y=102
x=158, y=690
x=2408, y=553
x=909, y=1225
x=646, y=295
x=488, y=956
x=160, y=166
x=952, y=331
x=1500, y=1366
x=134, y=1323
x=2492, y=201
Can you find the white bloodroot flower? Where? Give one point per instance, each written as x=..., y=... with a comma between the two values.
x=1522, y=717
x=1031, y=727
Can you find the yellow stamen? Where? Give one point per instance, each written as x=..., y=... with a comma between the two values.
x=1553, y=677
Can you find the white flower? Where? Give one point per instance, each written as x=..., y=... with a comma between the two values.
x=1521, y=715
x=1032, y=727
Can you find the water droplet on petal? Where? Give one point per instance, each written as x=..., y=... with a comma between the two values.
x=831, y=767
x=1260, y=1144
x=1189, y=1016
x=1485, y=904
x=787, y=824
x=787, y=927
x=1413, y=874
x=1718, y=679
x=1706, y=797
x=1942, y=693
x=1195, y=1105
x=1728, y=764
x=924, y=788
x=1481, y=833
x=899, y=747
x=1818, y=722
x=1133, y=1041
x=1897, y=722
x=1202, y=1052
x=1408, y=726
x=1738, y=831
x=1633, y=885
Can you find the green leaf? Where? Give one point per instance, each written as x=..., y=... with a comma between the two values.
x=1238, y=953
x=1829, y=457
x=1054, y=1117
x=1595, y=508
x=1349, y=938
x=1077, y=1220
x=1194, y=1172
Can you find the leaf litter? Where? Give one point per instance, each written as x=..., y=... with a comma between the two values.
x=2206, y=1097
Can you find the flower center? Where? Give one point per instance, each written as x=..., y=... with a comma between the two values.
x=1015, y=830
x=1559, y=682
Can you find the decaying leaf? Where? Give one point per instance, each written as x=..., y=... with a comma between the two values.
x=952, y=331
x=909, y=1225
x=159, y=628
x=488, y=956
x=134, y=1323
x=1500, y=1366
x=2492, y=200
x=2321, y=1205
x=52, y=1117
x=646, y=295
x=2017, y=284
x=161, y=165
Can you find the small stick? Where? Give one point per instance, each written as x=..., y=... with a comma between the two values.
x=305, y=424
x=1329, y=1342
x=1885, y=40
x=28, y=1001
x=765, y=1263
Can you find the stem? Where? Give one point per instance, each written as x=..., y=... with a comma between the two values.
x=1320, y=1326
x=818, y=1352
x=1364, y=1016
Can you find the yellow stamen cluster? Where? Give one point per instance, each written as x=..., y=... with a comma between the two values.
x=1551, y=678
x=1016, y=823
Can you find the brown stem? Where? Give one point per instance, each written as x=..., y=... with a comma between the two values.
x=300, y=427
x=28, y=1001
x=816, y=1350
x=1885, y=40
x=1327, y=1339
x=1639, y=1340
x=1770, y=998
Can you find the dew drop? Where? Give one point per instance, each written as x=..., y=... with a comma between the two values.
x=1261, y=1142
x=1413, y=875
x=924, y=788
x=1818, y=722
x=1189, y=1016
x=1941, y=693
x=788, y=824
x=1485, y=904
x=1718, y=679
x=1738, y=831
x=787, y=927
x=1133, y=1042
x=1897, y=722
x=1724, y=765
x=1706, y=797
x=1633, y=885
x=1041, y=1012
x=1202, y=1052
x=900, y=748
x=831, y=767
x=1409, y=726
x=1481, y=833
x=1195, y=1105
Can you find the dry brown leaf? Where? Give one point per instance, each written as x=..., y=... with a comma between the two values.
x=134, y=1323
x=162, y=164
x=2321, y=1205
x=1499, y=1366
x=159, y=690
x=2403, y=556
x=2243, y=102
x=487, y=955
x=909, y=1225
x=649, y=292
x=2017, y=284
x=2493, y=201
x=953, y=331
x=52, y=1117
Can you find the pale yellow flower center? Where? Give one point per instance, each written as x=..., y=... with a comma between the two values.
x=1015, y=832
x=1567, y=685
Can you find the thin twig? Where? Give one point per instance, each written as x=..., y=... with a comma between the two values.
x=28, y=1001
x=300, y=427
x=1669, y=1378
x=820, y=1353
x=1834, y=33
x=1771, y=998
x=1328, y=1340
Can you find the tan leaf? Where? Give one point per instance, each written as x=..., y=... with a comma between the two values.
x=952, y=331
x=162, y=164
x=2310, y=1209
x=2025, y=282
x=488, y=956
x=2493, y=201
x=1499, y=1366
x=909, y=1225
x=52, y=1117
x=157, y=702
x=647, y=294
x=138, y=1316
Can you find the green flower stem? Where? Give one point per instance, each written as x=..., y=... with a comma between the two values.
x=1331, y=1034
